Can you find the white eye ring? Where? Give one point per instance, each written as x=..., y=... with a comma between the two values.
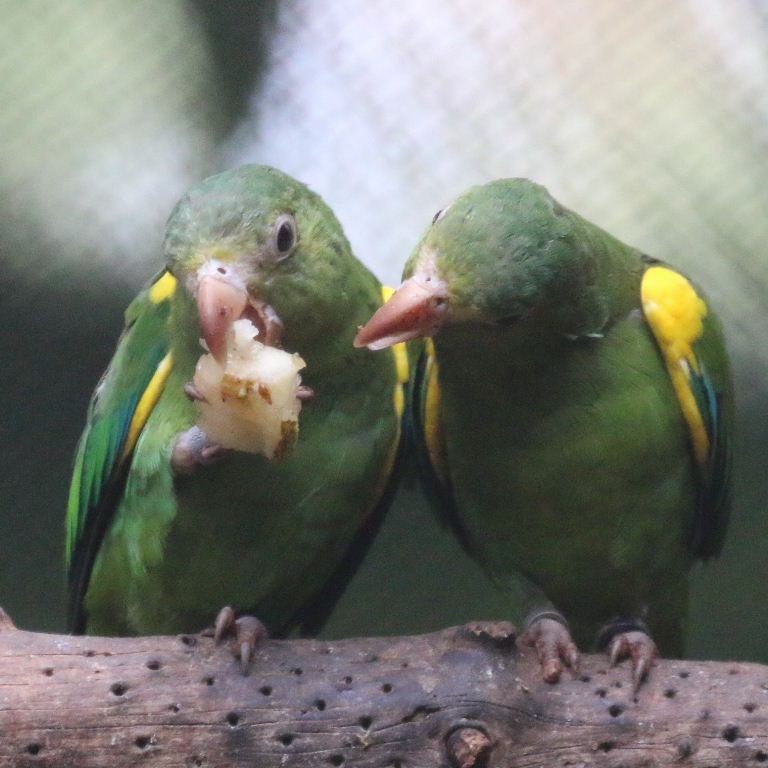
x=285, y=236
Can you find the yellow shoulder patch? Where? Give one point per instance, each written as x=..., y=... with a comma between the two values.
x=147, y=402
x=675, y=314
x=401, y=368
x=163, y=289
x=433, y=430
x=401, y=361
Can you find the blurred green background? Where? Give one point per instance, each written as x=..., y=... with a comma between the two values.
x=648, y=117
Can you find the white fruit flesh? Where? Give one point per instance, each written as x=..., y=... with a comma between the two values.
x=250, y=402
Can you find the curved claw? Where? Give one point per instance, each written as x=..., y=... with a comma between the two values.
x=193, y=393
x=554, y=647
x=304, y=393
x=637, y=645
x=249, y=631
x=225, y=622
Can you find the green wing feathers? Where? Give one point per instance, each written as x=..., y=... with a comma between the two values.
x=116, y=414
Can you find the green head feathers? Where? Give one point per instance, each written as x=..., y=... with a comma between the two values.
x=508, y=249
x=272, y=235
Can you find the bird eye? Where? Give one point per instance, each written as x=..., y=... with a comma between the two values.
x=285, y=236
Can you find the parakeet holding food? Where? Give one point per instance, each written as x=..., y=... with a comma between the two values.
x=249, y=472
x=573, y=410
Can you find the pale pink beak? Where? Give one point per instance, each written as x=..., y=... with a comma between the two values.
x=415, y=309
x=219, y=304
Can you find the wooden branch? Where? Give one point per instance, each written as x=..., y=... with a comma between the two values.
x=464, y=697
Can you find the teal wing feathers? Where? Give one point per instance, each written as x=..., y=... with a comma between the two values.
x=691, y=342
x=712, y=394
x=117, y=411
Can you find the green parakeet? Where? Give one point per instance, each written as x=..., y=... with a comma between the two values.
x=164, y=526
x=573, y=408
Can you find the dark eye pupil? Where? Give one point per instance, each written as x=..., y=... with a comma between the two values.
x=285, y=237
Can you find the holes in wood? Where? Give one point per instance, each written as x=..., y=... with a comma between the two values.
x=118, y=689
x=684, y=749
x=233, y=718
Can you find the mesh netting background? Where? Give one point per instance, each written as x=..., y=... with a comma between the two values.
x=648, y=117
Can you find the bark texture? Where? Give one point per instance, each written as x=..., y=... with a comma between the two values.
x=465, y=697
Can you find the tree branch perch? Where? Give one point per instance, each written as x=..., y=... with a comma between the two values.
x=464, y=697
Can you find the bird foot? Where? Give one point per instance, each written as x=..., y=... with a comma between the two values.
x=548, y=633
x=638, y=646
x=248, y=631
x=193, y=449
x=630, y=638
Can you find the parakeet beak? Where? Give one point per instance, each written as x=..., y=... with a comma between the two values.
x=222, y=298
x=415, y=309
x=219, y=303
